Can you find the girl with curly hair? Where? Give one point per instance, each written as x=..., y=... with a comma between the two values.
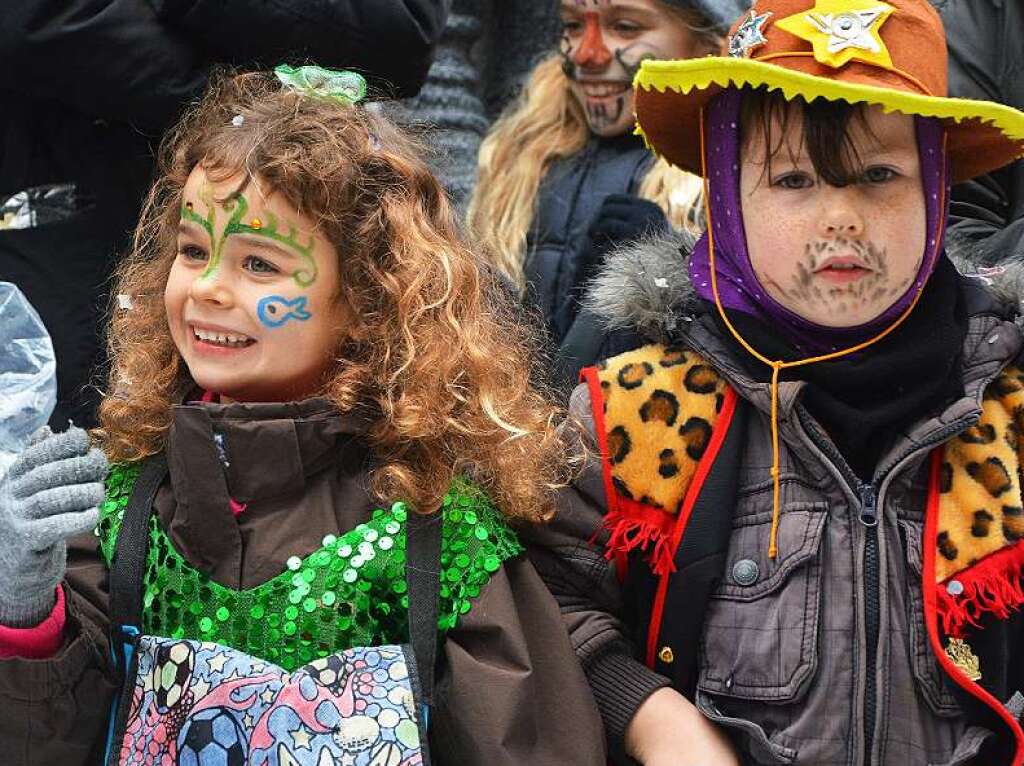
x=305, y=344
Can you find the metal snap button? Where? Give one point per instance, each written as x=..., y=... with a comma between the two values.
x=666, y=655
x=745, y=572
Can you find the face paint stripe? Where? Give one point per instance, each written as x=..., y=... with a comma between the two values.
x=238, y=206
x=270, y=229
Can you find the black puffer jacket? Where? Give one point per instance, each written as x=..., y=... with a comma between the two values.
x=90, y=86
x=986, y=61
x=570, y=196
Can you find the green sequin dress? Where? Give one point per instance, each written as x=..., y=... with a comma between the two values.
x=350, y=592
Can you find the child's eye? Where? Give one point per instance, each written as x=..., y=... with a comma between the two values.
x=626, y=28
x=879, y=174
x=794, y=181
x=572, y=27
x=192, y=253
x=257, y=265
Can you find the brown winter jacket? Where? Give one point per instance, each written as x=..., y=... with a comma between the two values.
x=510, y=690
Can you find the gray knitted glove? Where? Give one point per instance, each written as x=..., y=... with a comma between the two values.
x=50, y=493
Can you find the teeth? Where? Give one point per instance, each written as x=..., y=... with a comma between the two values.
x=225, y=339
x=600, y=89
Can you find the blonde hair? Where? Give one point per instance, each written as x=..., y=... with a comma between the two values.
x=434, y=354
x=545, y=124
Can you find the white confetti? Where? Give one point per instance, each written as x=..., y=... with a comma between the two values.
x=124, y=302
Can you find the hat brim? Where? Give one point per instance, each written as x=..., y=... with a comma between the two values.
x=981, y=135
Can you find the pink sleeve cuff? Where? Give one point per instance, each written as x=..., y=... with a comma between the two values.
x=39, y=642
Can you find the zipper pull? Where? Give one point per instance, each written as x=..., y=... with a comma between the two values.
x=868, y=507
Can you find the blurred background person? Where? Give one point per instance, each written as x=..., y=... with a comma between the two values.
x=986, y=61
x=91, y=87
x=561, y=175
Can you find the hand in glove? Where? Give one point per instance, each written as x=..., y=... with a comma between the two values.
x=50, y=493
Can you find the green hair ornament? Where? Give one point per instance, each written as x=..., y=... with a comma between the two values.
x=337, y=84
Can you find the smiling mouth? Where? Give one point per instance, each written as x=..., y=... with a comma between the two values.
x=222, y=339
x=603, y=89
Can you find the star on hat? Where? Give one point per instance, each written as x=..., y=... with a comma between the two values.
x=749, y=35
x=843, y=30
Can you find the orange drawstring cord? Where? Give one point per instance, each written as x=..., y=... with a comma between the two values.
x=777, y=366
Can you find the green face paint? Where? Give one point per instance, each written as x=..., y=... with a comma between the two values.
x=237, y=206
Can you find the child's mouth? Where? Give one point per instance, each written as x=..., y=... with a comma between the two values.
x=603, y=89
x=842, y=270
x=218, y=339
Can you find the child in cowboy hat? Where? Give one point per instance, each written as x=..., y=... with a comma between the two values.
x=804, y=540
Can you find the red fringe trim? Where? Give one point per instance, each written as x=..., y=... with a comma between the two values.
x=637, y=526
x=995, y=585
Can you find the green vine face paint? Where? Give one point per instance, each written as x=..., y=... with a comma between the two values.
x=251, y=298
x=237, y=207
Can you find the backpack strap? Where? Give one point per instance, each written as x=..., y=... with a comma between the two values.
x=655, y=409
x=129, y=563
x=423, y=579
x=422, y=573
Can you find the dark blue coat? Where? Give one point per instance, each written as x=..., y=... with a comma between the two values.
x=569, y=198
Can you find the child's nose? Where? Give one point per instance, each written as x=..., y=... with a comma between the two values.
x=592, y=53
x=839, y=218
x=211, y=288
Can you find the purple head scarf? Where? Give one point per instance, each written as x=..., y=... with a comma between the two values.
x=738, y=286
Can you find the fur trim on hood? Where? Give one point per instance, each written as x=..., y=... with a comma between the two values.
x=645, y=285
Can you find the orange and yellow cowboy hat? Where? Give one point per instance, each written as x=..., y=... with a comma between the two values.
x=891, y=54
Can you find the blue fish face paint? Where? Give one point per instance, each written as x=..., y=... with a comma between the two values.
x=276, y=310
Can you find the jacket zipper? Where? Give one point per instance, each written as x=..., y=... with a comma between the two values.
x=869, y=495
x=872, y=609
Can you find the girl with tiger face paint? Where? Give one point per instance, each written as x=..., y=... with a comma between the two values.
x=603, y=43
x=561, y=177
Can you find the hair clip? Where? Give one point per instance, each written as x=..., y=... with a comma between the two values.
x=337, y=84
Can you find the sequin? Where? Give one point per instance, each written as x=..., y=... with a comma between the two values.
x=350, y=592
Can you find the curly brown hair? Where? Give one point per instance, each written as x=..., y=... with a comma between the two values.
x=438, y=352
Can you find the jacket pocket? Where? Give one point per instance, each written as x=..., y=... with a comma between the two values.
x=760, y=639
x=758, y=743
x=926, y=670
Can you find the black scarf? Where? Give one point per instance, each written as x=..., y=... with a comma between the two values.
x=864, y=399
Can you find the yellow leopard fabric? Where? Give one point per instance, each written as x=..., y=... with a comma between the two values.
x=980, y=509
x=654, y=440
x=661, y=404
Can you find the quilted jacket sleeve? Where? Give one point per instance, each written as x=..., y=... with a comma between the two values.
x=569, y=556
x=392, y=41
x=141, y=62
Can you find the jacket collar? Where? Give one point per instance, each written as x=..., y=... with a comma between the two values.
x=252, y=451
x=645, y=287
